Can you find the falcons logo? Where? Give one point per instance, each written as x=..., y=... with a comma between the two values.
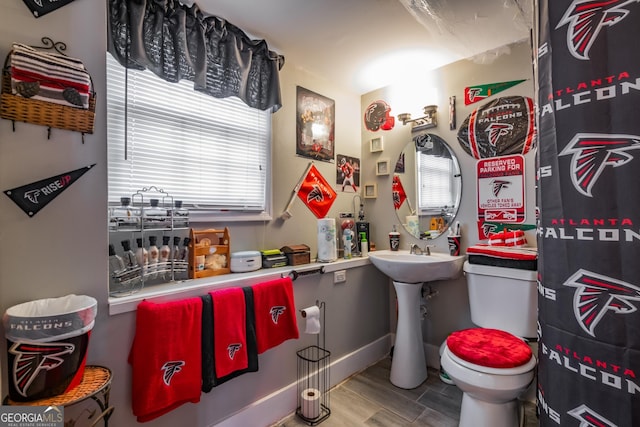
x=315, y=194
x=586, y=18
x=597, y=294
x=32, y=196
x=170, y=369
x=489, y=229
x=498, y=185
x=276, y=311
x=33, y=358
x=496, y=130
x=592, y=152
x=233, y=349
x=589, y=418
x=472, y=93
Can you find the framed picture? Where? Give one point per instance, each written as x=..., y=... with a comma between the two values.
x=315, y=125
x=382, y=167
x=370, y=191
x=348, y=173
x=375, y=145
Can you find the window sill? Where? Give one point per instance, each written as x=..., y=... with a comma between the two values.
x=197, y=287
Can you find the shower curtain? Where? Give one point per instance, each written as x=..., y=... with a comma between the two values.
x=588, y=193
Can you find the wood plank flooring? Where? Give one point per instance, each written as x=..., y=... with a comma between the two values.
x=368, y=399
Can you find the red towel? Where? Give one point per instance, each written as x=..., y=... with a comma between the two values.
x=275, y=313
x=166, y=357
x=229, y=331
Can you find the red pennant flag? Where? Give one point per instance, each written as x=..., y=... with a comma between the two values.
x=399, y=195
x=316, y=193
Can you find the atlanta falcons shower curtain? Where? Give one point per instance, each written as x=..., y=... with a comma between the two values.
x=588, y=180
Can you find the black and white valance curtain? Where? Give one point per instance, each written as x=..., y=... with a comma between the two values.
x=177, y=42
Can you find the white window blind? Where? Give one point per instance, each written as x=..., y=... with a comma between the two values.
x=435, y=183
x=213, y=154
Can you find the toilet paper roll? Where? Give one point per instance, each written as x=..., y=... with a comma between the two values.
x=310, y=403
x=327, y=243
x=312, y=318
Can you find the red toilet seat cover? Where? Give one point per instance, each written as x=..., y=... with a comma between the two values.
x=489, y=347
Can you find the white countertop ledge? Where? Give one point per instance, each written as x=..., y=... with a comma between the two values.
x=196, y=287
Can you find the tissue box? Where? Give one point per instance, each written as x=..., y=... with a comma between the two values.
x=297, y=254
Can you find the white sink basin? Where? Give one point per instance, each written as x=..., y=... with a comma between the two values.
x=401, y=266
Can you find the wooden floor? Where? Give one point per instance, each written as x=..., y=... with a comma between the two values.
x=369, y=399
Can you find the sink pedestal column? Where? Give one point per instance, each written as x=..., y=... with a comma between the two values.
x=409, y=366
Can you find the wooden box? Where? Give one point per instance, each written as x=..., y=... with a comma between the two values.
x=209, y=253
x=297, y=254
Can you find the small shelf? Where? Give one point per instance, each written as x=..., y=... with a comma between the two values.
x=209, y=253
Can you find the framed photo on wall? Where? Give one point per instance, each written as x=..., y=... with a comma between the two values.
x=376, y=144
x=315, y=125
x=382, y=167
x=370, y=191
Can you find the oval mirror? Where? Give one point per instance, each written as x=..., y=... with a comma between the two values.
x=427, y=186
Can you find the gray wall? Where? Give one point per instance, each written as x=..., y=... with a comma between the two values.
x=63, y=249
x=448, y=311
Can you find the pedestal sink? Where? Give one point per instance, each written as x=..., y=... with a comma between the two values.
x=409, y=272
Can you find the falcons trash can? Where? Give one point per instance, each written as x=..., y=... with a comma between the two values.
x=47, y=344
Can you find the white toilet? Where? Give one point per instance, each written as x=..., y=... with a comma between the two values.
x=492, y=364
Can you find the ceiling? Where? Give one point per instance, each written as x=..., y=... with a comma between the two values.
x=362, y=45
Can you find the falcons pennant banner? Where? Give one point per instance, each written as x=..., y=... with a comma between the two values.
x=35, y=196
x=588, y=95
x=316, y=193
x=399, y=195
x=42, y=7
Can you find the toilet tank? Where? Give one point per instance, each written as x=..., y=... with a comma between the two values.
x=503, y=298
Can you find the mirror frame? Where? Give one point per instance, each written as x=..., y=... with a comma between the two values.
x=425, y=226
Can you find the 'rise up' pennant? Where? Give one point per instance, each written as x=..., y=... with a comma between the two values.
x=35, y=196
x=42, y=7
x=477, y=93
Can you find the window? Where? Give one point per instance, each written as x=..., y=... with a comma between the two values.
x=435, y=178
x=213, y=154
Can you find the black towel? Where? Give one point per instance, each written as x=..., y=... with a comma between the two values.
x=209, y=379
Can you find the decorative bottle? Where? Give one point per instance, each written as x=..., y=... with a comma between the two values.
x=142, y=257
x=116, y=265
x=154, y=255
x=128, y=256
x=154, y=216
x=165, y=253
x=180, y=215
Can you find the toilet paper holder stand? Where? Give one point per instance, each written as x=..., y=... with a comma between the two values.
x=314, y=378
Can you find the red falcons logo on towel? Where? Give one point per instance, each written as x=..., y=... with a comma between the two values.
x=233, y=349
x=170, y=369
x=33, y=358
x=276, y=311
x=592, y=152
x=586, y=18
x=597, y=294
x=496, y=130
x=589, y=418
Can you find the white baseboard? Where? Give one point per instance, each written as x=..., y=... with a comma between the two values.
x=282, y=403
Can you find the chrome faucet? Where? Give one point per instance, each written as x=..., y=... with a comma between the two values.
x=416, y=250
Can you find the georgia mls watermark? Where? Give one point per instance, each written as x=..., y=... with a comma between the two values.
x=31, y=416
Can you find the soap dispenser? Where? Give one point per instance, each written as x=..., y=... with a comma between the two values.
x=364, y=244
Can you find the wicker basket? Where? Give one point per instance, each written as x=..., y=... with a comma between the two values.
x=18, y=108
